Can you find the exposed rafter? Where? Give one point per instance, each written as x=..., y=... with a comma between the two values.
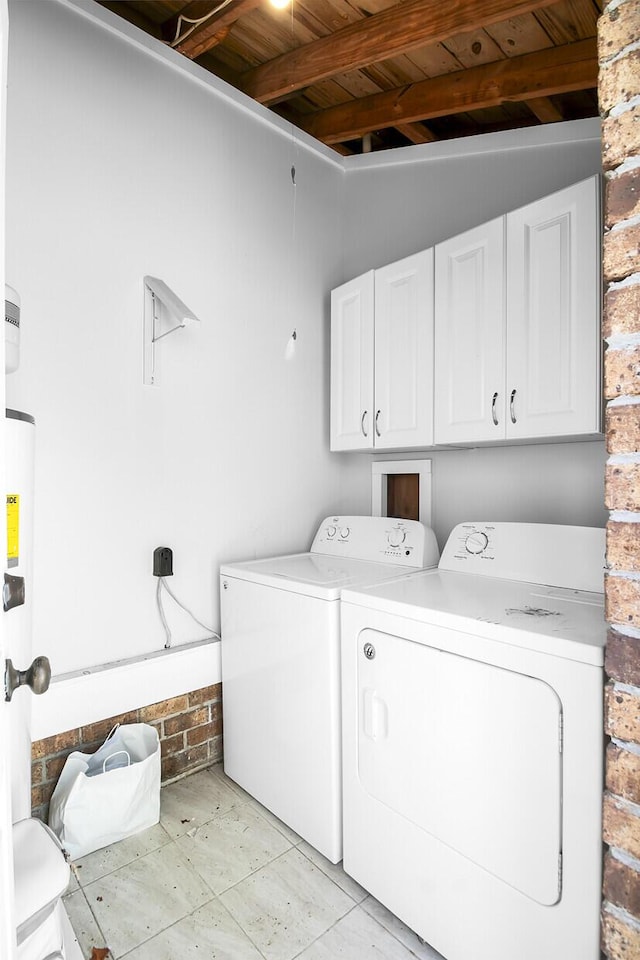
x=544, y=110
x=212, y=23
x=395, y=31
x=416, y=132
x=542, y=74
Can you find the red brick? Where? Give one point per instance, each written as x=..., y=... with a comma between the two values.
x=99, y=731
x=205, y=694
x=621, y=826
x=185, y=762
x=623, y=773
x=622, y=714
x=618, y=28
x=37, y=772
x=215, y=750
x=622, y=658
x=54, y=768
x=623, y=546
x=622, y=601
x=620, y=138
x=623, y=428
x=622, y=372
x=621, y=311
x=622, y=885
x=201, y=734
x=52, y=745
x=621, y=252
x=165, y=708
x=620, y=941
x=618, y=82
x=622, y=488
x=192, y=718
x=622, y=197
x=172, y=745
x=41, y=794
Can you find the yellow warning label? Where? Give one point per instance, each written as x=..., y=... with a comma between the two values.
x=13, y=528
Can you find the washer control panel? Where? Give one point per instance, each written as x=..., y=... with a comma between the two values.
x=543, y=553
x=380, y=539
x=471, y=541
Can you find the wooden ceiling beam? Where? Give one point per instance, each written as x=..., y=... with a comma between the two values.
x=544, y=110
x=406, y=26
x=529, y=77
x=194, y=40
x=416, y=132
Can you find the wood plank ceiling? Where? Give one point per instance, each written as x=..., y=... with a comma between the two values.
x=366, y=75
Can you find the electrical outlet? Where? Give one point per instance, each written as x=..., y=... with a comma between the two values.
x=163, y=562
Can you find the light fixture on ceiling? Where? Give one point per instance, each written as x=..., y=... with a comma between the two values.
x=161, y=306
x=280, y=4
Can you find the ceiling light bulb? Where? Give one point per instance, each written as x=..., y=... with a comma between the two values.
x=280, y=4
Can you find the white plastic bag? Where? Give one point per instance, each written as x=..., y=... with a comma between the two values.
x=113, y=793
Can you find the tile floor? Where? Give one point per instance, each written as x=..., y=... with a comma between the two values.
x=220, y=878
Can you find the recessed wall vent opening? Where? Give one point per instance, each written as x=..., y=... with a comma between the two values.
x=402, y=489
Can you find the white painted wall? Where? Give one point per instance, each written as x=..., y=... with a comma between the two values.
x=404, y=202
x=119, y=166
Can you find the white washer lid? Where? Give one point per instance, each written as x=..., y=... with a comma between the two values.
x=40, y=871
x=553, y=620
x=314, y=574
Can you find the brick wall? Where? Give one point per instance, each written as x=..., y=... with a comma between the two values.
x=189, y=727
x=619, y=96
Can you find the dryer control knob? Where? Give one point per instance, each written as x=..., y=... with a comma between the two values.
x=331, y=531
x=344, y=533
x=476, y=542
x=396, y=537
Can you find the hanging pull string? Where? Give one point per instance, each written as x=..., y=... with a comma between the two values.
x=181, y=37
x=162, y=583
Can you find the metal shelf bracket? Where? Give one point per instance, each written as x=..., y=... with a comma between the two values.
x=161, y=307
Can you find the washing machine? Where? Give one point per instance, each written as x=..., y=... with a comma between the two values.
x=473, y=744
x=281, y=665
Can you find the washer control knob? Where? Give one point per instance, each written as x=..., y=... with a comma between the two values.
x=396, y=537
x=476, y=542
x=344, y=532
x=331, y=531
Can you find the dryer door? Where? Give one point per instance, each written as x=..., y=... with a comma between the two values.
x=467, y=751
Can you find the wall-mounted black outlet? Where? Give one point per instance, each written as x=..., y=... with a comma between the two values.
x=163, y=562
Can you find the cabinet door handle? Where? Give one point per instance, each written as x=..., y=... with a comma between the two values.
x=493, y=410
x=511, y=406
x=364, y=432
x=376, y=424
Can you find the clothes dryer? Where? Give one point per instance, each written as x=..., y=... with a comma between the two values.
x=281, y=665
x=473, y=745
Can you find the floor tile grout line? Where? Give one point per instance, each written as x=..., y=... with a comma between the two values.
x=175, y=923
x=325, y=932
x=94, y=917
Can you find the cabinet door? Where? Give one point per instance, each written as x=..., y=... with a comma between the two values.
x=553, y=304
x=404, y=353
x=469, y=336
x=352, y=411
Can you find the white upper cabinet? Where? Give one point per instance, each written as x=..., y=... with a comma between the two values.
x=553, y=298
x=470, y=335
x=352, y=410
x=382, y=358
x=517, y=324
x=404, y=353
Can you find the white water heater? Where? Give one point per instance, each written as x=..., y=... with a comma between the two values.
x=11, y=329
x=20, y=443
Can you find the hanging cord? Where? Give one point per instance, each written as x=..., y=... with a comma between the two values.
x=162, y=583
x=181, y=37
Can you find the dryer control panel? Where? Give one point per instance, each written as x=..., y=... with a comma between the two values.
x=545, y=553
x=379, y=539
